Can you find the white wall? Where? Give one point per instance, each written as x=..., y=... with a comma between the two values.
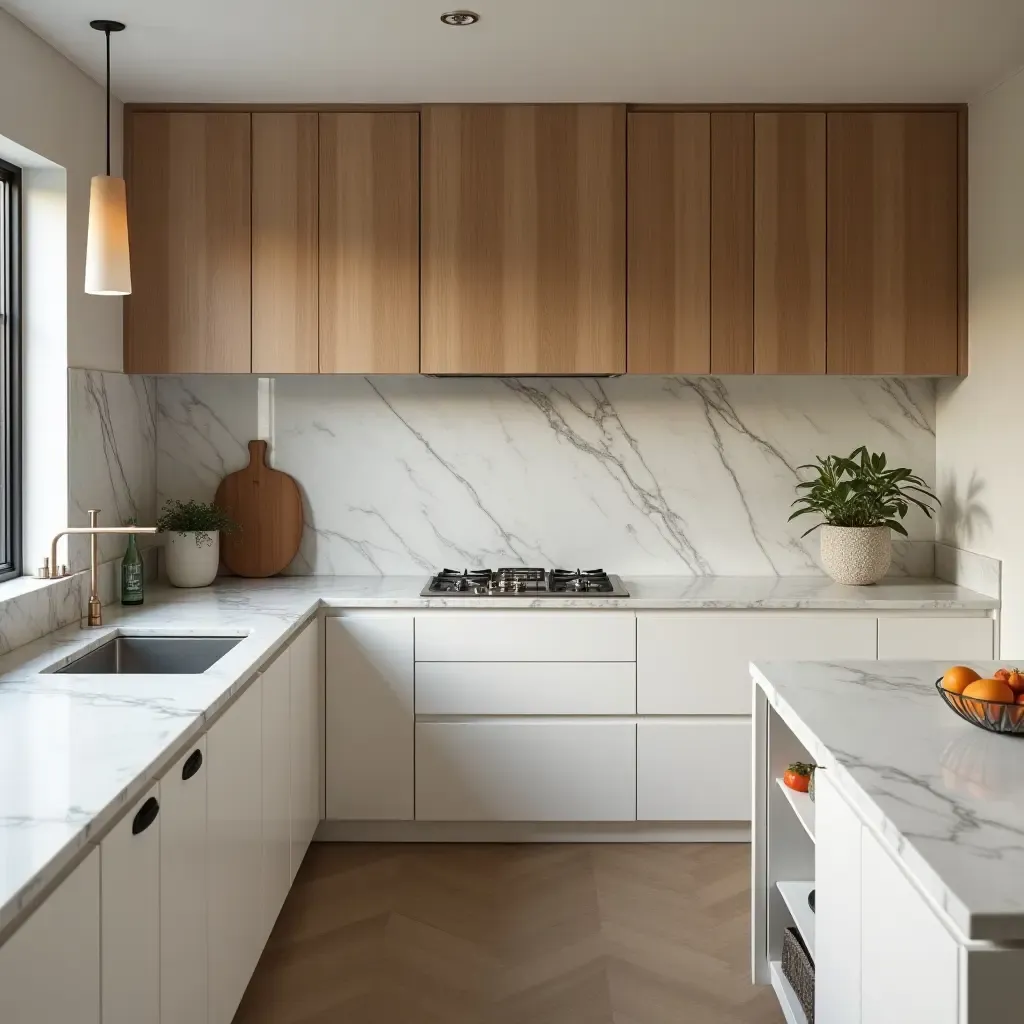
x=50, y=107
x=980, y=421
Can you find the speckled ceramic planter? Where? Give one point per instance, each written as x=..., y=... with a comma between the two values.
x=856, y=555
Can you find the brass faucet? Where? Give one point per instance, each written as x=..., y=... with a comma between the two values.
x=50, y=569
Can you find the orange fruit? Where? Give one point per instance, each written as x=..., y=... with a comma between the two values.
x=958, y=678
x=989, y=689
x=1020, y=698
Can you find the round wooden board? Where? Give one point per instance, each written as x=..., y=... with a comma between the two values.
x=267, y=506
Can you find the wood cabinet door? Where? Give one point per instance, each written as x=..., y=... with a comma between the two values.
x=234, y=852
x=789, y=243
x=369, y=243
x=306, y=740
x=669, y=244
x=277, y=838
x=189, y=194
x=370, y=715
x=285, y=222
x=732, y=242
x=892, y=242
x=523, y=239
x=183, y=952
x=130, y=915
x=50, y=967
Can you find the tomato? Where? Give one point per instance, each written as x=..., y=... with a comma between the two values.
x=1002, y=673
x=798, y=776
x=1015, y=680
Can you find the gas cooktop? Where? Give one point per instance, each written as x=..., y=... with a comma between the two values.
x=521, y=582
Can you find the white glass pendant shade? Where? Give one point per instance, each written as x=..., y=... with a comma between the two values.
x=107, y=267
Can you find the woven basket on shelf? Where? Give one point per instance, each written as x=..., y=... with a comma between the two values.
x=798, y=968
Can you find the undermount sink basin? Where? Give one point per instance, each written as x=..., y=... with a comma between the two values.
x=145, y=655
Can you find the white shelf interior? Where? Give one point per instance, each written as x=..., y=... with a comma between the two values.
x=791, y=1008
x=803, y=807
x=794, y=895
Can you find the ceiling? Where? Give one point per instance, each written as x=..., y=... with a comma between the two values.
x=700, y=51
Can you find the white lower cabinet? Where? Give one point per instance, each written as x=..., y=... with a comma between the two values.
x=698, y=663
x=306, y=741
x=370, y=716
x=183, y=948
x=935, y=638
x=234, y=797
x=908, y=961
x=277, y=840
x=693, y=770
x=50, y=967
x=837, y=924
x=526, y=771
x=130, y=915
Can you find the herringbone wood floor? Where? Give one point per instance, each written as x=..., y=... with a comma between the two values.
x=504, y=934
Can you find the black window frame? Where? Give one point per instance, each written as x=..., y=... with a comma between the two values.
x=10, y=374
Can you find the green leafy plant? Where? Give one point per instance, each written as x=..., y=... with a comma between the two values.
x=860, y=490
x=195, y=517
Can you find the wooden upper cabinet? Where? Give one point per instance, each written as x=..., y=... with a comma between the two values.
x=892, y=243
x=789, y=243
x=284, y=243
x=669, y=243
x=189, y=222
x=369, y=243
x=523, y=239
x=732, y=242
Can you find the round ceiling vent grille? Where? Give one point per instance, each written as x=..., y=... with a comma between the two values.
x=459, y=18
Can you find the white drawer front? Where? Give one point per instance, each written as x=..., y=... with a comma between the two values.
x=698, y=663
x=935, y=638
x=512, y=688
x=526, y=636
x=526, y=771
x=693, y=771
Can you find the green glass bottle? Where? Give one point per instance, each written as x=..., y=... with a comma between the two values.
x=131, y=574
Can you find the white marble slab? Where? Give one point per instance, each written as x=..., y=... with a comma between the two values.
x=74, y=751
x=969, y=569
x=641, y=475
x=946, y=796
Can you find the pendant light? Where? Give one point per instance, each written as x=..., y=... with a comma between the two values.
x=107, y=267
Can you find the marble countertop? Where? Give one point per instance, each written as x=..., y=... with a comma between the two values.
x=76, y=750
x=946, y=796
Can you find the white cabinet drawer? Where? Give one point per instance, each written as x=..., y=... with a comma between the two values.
x=693, y=771
x=696, y=663
x=526, y=771
x=511, y=688
x=935, y=638
x=526, y=636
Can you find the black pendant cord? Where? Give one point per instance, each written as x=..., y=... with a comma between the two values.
x=106, y=32
x=106, y=27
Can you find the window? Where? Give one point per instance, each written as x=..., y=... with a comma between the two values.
x=10, y=371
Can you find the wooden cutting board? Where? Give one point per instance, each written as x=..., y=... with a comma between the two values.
x=267, y=506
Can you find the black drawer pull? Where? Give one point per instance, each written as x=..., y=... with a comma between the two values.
x=192, y=764
x=146, y=816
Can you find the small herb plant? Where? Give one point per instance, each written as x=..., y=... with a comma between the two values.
x=195, y=517
x=860, y=491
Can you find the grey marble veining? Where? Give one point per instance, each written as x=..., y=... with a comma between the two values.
x=643, y=475
x=946, y=796
x=111, y=456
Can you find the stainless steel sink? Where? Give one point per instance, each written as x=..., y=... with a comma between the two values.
x=144, y=655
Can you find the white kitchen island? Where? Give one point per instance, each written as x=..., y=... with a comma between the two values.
x=914, y=846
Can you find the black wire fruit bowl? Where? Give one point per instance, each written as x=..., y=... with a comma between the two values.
x=993, y=715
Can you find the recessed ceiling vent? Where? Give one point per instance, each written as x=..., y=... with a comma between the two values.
x=460, y=18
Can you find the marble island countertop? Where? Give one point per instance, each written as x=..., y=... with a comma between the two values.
x=75, y=751
x=946, y=796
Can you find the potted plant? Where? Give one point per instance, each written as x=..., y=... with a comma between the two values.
x=192, y=552
x=860, y=501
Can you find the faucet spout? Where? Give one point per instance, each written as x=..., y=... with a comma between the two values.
x=51, y=570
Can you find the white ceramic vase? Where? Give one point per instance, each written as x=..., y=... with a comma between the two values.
x=191, y=559
x=856, y=555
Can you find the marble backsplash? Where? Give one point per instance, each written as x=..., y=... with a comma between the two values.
x=642, y=475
